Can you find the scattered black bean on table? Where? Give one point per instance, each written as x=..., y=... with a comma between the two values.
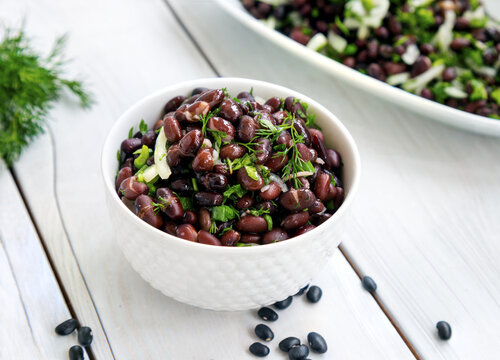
x=314, y=294
x=444, y=330
x=301, y=291
x=237, y=172
x=317, y=343
x=264, y=332
x=369, y=284
x=85, y=336
x=281, y=305
x=267, y=314
x=76, y=353
x=259, y=349
x=298, y=352
x=286, y=344
x=66, y=327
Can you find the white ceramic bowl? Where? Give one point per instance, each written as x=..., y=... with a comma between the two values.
x=225, y=278
x=431, y=109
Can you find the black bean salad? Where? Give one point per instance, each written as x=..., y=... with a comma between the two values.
x=443, y=50
x=231, y=171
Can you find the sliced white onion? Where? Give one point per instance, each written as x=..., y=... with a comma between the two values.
x=259, y=100
x=418, y=83
x=411, y=54
x=444, y=35
x=265, y=188
x=319, y=161
x=337, y=42
x=482, y=70
x=455, y=92
x=206, y=143
x=300, y=174
x=279, y=181
x=276, y=2
x=215, y=155
x=150, y=173
x=322, y=211
x=270, y=22
x=317, y=42
x=160, y=155
x=398, y=79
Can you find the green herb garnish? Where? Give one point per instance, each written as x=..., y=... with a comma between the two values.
x=224, y=213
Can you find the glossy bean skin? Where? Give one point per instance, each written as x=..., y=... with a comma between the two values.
x=274, y=103
x=181, y=186
x=149, y=139
x=306, y=154
x=174, y=155
x=187, y=232
x=245, y=95
x=297, y=199
x=131, y=188
x=276, y=162
x=321, y=186
x=267, y=205
x=263, y=150
x=158, y=124
x=245, y=202
x=264, y=115
x=145, y=211
x=272, y=192
x=251, y=223
x=172, y=129
x=339, y=197
x=294, y=221
x=123, y=174
x=222, y=169
x=232, y=151
x=191, y=142
x=174, y=103
x=212, y=97
x=204, y=237
x=280, y=116
x=317, y=207
x=317, y=343
x=247, y=182
x=205, y=219
x=204, y=198
x=204, y=160
x=171, y=203
x=247, y=128
x=214, y=182
x=334, y=158
x=285, y=138
x=190, y=217
x=275, y=235
x=250, y=238
x=192, y=112
x=304, y=229
x=170, y=227
x=198, y=91
x=320, y=219
x=301, y=128
x=230, y=238
x=230, y=110
x=131, y=145
x=319, y=146
x=220, y=124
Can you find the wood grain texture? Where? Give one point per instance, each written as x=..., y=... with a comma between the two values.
x=426, y=225
x=32, y=303
x=123, y=64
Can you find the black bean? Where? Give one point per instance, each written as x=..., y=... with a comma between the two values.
x=259, y=350
x=66, y=327
x=76, y=353
x=286, y=344
x=214, y=181
x=283, y=304
x=369, y=284
x=314, y=294
x=85, y=336
x=267, y=314
x=131, y=145
x=203, y=198
x=317, y=343
x=174, y=103
x=444, y=330
x=298, y=352
x=301, y=291
x=264, y=332
x=198, y=90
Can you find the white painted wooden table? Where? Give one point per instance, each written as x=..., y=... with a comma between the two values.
x=426, y=224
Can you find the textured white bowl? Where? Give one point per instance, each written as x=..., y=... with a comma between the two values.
x=433, y=110
x=225, y=278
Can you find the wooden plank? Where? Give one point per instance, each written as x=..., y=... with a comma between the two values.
x=32, y=303
x=139, y=321
x=426, y=225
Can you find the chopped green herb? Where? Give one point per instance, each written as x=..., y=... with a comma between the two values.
x=140, y=161
x=252, y=172
x=195, y=184
x=269, y=221
x=478, y=90
x=237, y=190
x=131, y=132
x=213, y=228
x=495, y=95
x=258, y=212
x=224, y=213
x=187, y=203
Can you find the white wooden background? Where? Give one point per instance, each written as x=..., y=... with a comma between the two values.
x=426, y=223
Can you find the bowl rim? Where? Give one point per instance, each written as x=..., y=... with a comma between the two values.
x=215, y=82
x=461, y=119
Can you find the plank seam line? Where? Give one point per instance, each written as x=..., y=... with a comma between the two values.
x=191, y=37
x=350, y=262
x=382, y=307
x=56, y=197
x=9, y=262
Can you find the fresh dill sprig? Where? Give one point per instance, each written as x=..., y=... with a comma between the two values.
x=29, y=85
